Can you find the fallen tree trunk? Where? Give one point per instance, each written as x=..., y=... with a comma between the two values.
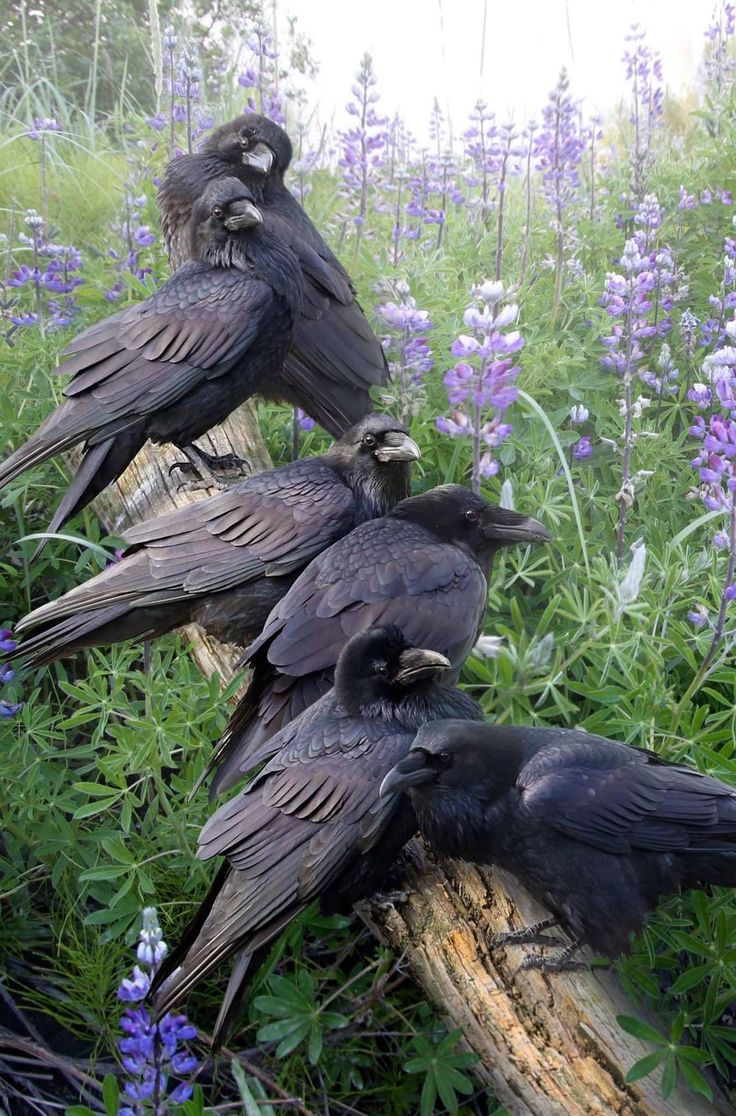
x=548, y=1045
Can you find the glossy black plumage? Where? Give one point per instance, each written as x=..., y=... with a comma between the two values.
x=596, y=830
x=423, y=567
x=335, y=358
x=173, y=366
x=310, y=825
x=225, y=561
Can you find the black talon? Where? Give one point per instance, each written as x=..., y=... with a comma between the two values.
x=527, y=935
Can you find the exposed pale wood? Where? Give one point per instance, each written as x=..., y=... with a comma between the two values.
x=548, y=1045
x=146, y=489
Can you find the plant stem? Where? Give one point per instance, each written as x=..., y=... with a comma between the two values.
x=720, y=623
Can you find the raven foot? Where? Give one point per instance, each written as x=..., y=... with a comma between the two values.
x=564, y=962
x=203, y=465
x=390, y=898
x=527, y=935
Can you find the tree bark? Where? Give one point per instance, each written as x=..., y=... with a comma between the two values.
x=548, y=1045
x=146, y=488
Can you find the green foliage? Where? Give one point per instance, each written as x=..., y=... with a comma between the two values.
x=96, y=770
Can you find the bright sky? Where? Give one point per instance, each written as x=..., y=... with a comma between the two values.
x=423, y=48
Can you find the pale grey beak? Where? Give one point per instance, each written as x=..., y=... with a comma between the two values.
x=417, y=662
x=246, y=217
x=398, y=446
x=260, y=158
x=408, y=772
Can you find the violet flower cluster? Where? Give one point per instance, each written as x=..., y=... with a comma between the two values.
x=133, y=239
x=713, y=328
x=155, y=1055
x=362, y=148
x=46, y=283
x=719, y=61
x=261, y=75
x=409, y=352
x=716, y=465
x=43, y=124
x=559, y=147
x=644, y=71
x=639, y=298
x=481, y=386
x=184, y=87
x=8, y=709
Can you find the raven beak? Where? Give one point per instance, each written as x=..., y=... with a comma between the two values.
x=416, y=663
x=398, y=446
x=260, y=158
x=508, y=526
x=408, y=772
x=244, y=215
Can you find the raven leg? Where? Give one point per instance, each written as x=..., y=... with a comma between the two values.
x=563, y=962
x=528, y=935
x=204, y=464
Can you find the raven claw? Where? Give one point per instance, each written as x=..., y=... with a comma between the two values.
x=562, y=963
x=527, y=935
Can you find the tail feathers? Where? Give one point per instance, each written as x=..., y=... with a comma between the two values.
x=69, y=635
x=715, y=866
x=101, y=465
x=234, y=994
x=336, y=407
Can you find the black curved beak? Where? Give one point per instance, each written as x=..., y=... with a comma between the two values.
x=243, y=215
x=260, y=158
x=411, y=771
x=398, y=446
x=416, y=663
x=506, y=527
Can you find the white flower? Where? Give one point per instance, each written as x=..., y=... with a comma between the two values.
x=579, y=414
x=488, y=647
x=630, y=583
x=507, y=495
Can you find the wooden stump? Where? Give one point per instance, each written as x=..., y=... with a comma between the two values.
x=548, y=1045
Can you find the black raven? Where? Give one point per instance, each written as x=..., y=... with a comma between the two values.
x=310, y=825
x=225, y=561
x=424, y=567
x=596, y=830
x=171, y=367
x=335, y=357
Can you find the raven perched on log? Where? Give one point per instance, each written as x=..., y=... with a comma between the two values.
x=171, y=367
x=423, y=567
x=225, y=561
x=335, y=357
x=310, y=825
x=596, y=830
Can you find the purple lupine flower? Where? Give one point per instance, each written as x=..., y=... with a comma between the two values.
x=7, y=643
x=261, y=74
x=698, y=616
x=639, y=298
x=362, y=149
x=485, y=379
x=43, y=124
x=644, y=71
x=410, y=353
x=559, y=150
x=8, y=709
x=153, y=1053
x=686, y=201
x=582, y=448
x=305, y=422
x=53, y=271
x=718, y=55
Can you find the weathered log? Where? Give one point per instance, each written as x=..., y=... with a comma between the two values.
x=147, y=488
x=548, y=1045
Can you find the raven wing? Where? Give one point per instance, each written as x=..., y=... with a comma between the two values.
x=618, y=798
x=386, y=571
x=268, y=525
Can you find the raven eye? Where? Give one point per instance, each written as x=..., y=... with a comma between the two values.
x=381, y=670
x=444, y=757
x=471, y=516
x=217, y=212
x=369, y=440
x=244, y=141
